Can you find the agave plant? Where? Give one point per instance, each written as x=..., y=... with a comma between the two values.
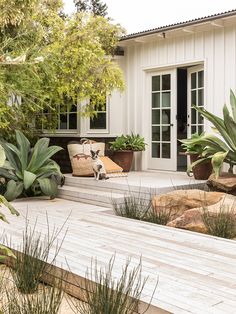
x=30, y=171
x=221, y=147
x=4, y=250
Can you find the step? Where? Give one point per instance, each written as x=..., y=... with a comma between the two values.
x=90, y=196
x=113, y=186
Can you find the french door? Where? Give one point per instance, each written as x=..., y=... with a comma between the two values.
x=162, y=148
x=195, y=97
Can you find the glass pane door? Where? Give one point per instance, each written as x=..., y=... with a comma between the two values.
x=161, y=121
x=195, y=97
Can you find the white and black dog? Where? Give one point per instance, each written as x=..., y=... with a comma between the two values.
x=98, y=166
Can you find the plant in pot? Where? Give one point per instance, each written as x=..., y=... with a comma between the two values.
x=200, y=157
x=124, y=147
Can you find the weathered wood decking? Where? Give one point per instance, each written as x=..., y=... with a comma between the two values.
x=196, y=273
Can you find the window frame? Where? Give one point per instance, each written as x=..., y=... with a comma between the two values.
x=64, y=131
x=100, y=131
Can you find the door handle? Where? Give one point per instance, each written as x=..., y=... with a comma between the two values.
x=172, y=124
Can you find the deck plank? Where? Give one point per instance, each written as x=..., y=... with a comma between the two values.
x=196, y=273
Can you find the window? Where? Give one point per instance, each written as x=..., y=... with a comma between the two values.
x=197, y=98
x=64, y=119
x=99, y=121
x=67, y=117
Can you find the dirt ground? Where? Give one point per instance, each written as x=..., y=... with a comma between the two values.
x=6, y=282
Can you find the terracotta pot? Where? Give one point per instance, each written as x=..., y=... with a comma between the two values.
x=202, y=171
x=123, y=158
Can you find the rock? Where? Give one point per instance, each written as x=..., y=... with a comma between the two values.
x=181, y=200
x=226, y=182
x=186, y=207
x=190, y=220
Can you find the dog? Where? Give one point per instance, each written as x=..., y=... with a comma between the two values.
x=98, y=166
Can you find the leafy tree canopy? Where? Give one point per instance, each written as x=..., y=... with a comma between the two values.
x=46, y=57
x=95, y=7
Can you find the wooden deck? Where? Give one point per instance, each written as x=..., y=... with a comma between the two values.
x=196, y=273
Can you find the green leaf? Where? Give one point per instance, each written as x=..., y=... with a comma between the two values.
x=233, y=104
x=8, y=205
x=24, y=149
x=41, y=154
x=29, y=178
x=48, y=186
x=219, y=124
x=2, y=156
x=11, y=156
x=14, y=189
x=6, y=174
x=6, y=251
x=217, y=162
x=230, y=124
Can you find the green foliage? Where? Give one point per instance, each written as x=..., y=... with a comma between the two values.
x=128, y=142
x=5, y=251
x=95, y=7
x=140, y=208
x=32, y=257
x=46, y=301
x=30, y=171
x=45, y=57
x=221, y=147
x=190, y=146
x=222, y=223
x=133, y=206
x=110, y=294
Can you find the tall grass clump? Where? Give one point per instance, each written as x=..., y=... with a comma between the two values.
x=141, y=208
x=222, y=223
x=47, y=300
x=134, y=207
x=105, y=294
x=160, y=216
x=32, y=257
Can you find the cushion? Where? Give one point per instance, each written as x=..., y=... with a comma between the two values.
x=110, y=166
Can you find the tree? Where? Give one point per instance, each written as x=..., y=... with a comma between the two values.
x=96, y=7
x=82, y=5
x=46, y=58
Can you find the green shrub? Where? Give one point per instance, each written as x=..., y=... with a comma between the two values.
x=160, y=217
x=140, y=208
x=30, y=171
x=135, y=207
x=128, y=142
x=32, y=257
x=112, y=295
x=220, y=224
x=47, y=300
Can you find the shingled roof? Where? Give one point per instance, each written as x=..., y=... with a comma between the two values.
x=180, y=24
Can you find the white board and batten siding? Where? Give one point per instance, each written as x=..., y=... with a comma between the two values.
x=215, y=49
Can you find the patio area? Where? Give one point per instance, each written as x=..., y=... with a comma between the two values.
x=196, y=273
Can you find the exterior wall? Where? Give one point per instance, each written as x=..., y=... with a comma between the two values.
x=116, y=111
x=215, y=48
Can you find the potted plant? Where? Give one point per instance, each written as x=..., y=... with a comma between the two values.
x=200, y=157
x=124, y=147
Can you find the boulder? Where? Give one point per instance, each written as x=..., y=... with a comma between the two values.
x=181, y=200
x=186, y=206
x=190, y=220
x=226, y=182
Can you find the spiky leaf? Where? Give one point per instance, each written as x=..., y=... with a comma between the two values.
x=29, y=179
x=49, y=187
x=14, y=189
x=217, y=162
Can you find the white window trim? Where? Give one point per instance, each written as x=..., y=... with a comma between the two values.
x=100, y=131
x=64, y=131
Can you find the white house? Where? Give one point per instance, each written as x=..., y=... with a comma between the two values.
x=167, y=70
